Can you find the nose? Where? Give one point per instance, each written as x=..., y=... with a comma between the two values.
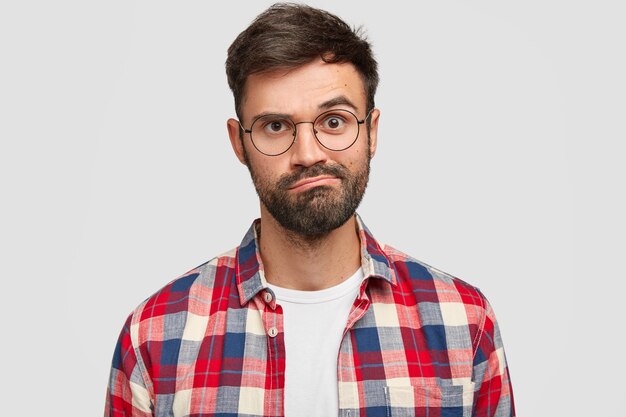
x=307, y=151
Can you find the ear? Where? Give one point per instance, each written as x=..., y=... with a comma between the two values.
x=235, y=139
x=374, y=117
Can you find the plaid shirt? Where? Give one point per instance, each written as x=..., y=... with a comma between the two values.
x=418, y=342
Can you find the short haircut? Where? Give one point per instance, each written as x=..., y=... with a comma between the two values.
x=287, y=36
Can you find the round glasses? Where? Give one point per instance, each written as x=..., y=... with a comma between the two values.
x=274, y=134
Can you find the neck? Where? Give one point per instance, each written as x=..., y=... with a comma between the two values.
x=308, y=263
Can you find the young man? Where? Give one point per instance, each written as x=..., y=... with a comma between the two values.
x=310, y=315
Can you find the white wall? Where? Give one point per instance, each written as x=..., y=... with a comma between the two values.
x=500, y=161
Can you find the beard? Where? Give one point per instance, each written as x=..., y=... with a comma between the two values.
x=317, y=211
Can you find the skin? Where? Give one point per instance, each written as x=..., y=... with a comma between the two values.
x=290, y=260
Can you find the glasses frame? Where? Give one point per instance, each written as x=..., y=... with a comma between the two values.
x=295, y=130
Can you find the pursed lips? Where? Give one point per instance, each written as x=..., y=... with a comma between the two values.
x=307, y=183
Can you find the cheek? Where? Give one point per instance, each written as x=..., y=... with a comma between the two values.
x=358, y=158
x=264, y=170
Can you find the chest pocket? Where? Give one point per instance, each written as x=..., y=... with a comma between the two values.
x=430, y=400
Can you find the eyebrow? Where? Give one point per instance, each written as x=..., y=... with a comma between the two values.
x=340, y=100
x=271, y=113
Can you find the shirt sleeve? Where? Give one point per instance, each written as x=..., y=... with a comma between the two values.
x=127, y=392
x=493, y=395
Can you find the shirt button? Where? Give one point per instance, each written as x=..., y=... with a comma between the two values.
x=273, y=331
x=267, y=297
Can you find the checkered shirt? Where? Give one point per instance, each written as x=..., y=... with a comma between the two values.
x=418, y=342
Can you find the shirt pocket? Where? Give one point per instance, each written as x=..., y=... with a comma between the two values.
x=430, y=400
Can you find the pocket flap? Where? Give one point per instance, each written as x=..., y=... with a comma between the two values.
x=416, y=400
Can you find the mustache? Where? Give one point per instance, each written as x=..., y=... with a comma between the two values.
x=287, y=180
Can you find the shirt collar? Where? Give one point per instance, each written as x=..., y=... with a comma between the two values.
x=249, y=266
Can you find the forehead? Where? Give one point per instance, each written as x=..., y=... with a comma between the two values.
x=301, y=91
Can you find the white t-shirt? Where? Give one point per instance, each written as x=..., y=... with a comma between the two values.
x=314, y=322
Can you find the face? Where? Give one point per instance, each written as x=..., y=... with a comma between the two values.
x=308, y=190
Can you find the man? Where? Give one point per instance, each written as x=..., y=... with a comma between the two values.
x=310, y=315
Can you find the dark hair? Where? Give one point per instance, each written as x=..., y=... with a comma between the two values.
x=289, y=35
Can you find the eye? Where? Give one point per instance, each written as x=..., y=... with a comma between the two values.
x=275, y=126
x=333, y=122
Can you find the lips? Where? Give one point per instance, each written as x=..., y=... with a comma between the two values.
x=310, y=177
x=311, y=182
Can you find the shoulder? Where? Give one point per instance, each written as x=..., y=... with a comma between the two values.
x=190, y=294
x=441, y=297
x=420, y=274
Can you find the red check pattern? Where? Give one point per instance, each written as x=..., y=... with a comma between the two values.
x=418, y=342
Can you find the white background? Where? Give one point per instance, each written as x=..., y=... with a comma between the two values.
x=500, y=160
